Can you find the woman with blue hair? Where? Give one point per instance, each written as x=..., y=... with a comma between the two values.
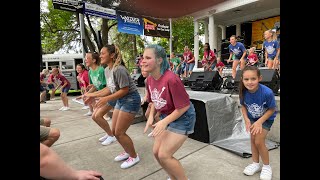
x=177, y=114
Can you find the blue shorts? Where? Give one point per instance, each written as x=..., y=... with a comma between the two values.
x=177, y=71
x=190, y=66
x=50, y=86
x=237, y=58
x=271, y=58
x=183, y=67
x=213, y=65
x=42, y=88
x=266, y=125
x=66, y=89
x=130, y=103
x=184, y=124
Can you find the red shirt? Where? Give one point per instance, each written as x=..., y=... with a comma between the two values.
x=220, y=65
x=211, y=57
x=63, y=79
x=252, y=57
x=42, y=76
x=187, y=56
x=167, y=93
x=84, y=76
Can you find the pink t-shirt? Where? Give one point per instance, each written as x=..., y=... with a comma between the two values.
x=50, y=78
x=211, y=57
x=187, y=56
x=167, y=93
x=252, y=57
x=63, y=79
x=84, y=76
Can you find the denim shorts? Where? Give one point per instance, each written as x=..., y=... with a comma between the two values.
x=42, y=88
x=65, y=89
x=266, y=125
x=184, y=124
x=213, y=65
x=177, y=71
x=190, y=66
x=130, y=103
x=271, y=58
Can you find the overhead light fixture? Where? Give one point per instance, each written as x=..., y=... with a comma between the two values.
x=212, y=11
x=237, y=11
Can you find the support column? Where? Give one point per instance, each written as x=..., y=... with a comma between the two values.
x=238, y=30
x=206, y=33
x=170, y=39
x=211, y=31
x=82, y=34
x=223, y=31
x=196, y=43
x=215, y=38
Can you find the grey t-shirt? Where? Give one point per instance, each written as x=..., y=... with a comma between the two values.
x=119, y=78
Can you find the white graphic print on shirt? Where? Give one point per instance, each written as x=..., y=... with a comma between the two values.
x=255, y=110
x=156, y=99
x=95, y=81
x=270, y=49
x=236, y=51
x=111, y=85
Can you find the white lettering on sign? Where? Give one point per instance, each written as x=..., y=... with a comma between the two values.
x=130, y=19
x=98, y=8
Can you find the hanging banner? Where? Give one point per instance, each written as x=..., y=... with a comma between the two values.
x=156, y=28
x=99, y=11
x=129, y=24
x=68, y=5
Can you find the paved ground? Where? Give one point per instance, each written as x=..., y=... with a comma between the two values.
x=79, y=146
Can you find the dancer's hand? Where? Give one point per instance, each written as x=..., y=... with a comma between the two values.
x=256, y=128
x=159, y=127
x=88, y=100
x=102, y=102
x=248, y=125
x=148, y=124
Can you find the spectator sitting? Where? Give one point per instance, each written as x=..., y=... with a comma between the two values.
x=43, y=85
x=48, y=135
x=252, y=57
x=219, y=66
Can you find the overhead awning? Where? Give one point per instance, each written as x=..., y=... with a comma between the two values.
x=161, y=8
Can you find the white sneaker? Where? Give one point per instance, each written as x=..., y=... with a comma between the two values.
x=85, y=107
x=266, y=173
x=88, y=113
x=103, y=138
x=122, y=156
x=251, y=169
x=61, y=108
x=109, y=140
x=65, y=109
x=107, y=118
x=130, y=162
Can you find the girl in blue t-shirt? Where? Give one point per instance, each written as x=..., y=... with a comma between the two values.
x=259, y=110
x=237, y=53
x=271, y=48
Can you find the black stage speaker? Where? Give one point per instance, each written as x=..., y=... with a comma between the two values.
x=208, y=80
x=270, y=78
x=201, y=132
